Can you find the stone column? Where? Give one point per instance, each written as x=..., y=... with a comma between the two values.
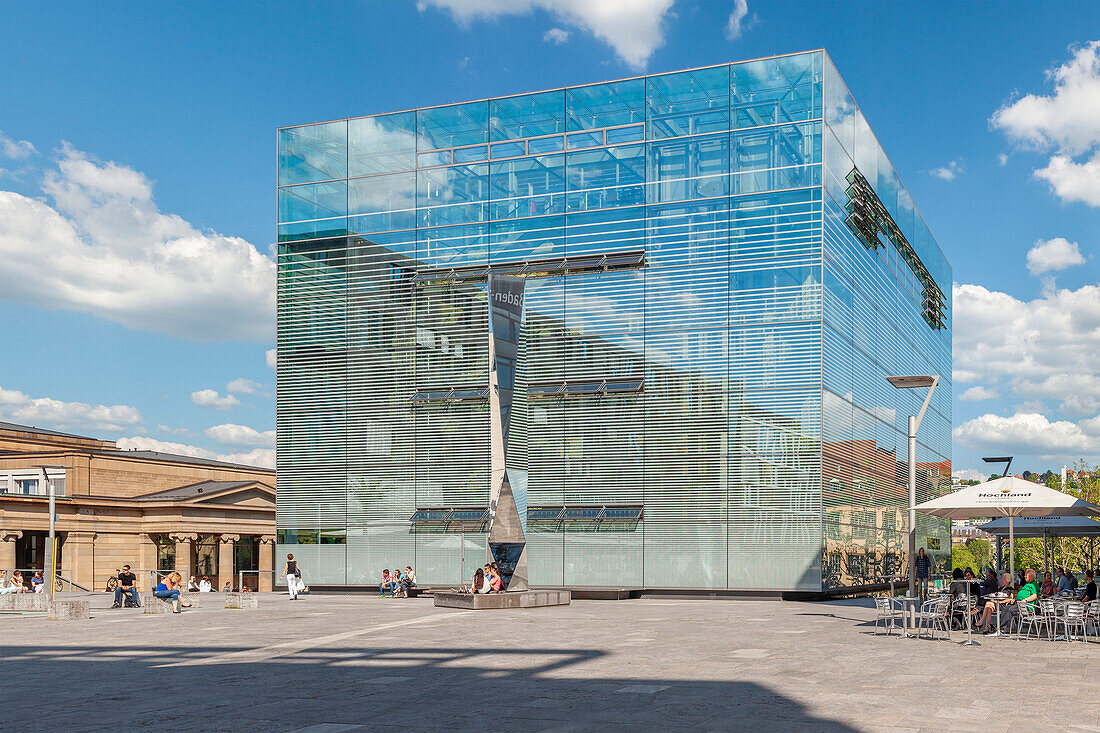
x=184, y=543
x=225, y=559
x=78, y=560
x=7, y=550
x=147, y=559
x=266, y=563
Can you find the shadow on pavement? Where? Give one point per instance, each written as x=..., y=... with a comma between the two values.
x=102, y=687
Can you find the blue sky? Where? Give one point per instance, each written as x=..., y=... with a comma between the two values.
x=137, y=182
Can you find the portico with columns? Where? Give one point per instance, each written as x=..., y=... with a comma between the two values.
x=152, y=511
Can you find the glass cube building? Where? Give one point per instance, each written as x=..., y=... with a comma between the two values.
x=720, y=267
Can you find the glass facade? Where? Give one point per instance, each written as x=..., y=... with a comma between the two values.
x=720, y=269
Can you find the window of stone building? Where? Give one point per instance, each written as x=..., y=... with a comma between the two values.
x=206, y=556
x=166, y=554
x=246, y=555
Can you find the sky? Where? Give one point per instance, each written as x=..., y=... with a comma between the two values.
x=137, y=183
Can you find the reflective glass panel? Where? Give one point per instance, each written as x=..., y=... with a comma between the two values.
x=313, y=201
x=688, y=168
x=605, y=177
x=313, y=152
x=687, y=103
x=527, y=115
x=508, y=150
x=470, y=155
x=544, y=145
x=389, y=202
x=527, y=187
x=606, y=105
x=454, y=195
x=770, y=91
x=584, y=140
x=452, y=126
x=382, y=144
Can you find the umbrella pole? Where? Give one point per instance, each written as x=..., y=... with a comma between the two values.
x=1011, y=549
x=1045, y=564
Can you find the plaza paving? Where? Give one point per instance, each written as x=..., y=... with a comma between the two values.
x=344, y=663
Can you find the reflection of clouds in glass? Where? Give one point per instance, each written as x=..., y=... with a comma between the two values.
x=382, y=144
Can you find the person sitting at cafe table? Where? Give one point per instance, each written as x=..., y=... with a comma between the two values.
x=1063, y=581
x=1028, y=593
x=991, y=604
x=1090, y=587
x=989, y=583
x=1046, y=590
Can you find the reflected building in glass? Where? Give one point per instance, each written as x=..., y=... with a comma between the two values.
x=718, y=269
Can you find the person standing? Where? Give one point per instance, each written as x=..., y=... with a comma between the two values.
x=292, y=573
x=923, y=568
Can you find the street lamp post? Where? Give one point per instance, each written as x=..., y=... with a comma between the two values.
x=51, y=543
x=913, y=382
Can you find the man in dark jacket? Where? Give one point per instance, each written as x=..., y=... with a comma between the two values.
x=923, y=567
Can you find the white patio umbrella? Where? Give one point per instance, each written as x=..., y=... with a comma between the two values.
x=1047, y=528
x=1007, y=497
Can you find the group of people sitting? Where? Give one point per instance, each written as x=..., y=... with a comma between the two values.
x=397, y=584
x=16, y=584
x=1007, y=594
x=487, y=580
x=205, y=586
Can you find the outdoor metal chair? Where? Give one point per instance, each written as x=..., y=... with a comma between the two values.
x=1092, y=619
x=1048, y=612
x=1073, y=617
x=935, y=614
x=1030, y=619
x=886, y=611
x=961, y=613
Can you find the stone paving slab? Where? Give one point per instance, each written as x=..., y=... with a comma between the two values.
x=335, y=661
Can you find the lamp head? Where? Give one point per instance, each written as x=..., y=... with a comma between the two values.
x=911, y=382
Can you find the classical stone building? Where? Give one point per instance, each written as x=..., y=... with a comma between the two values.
x=146, y=509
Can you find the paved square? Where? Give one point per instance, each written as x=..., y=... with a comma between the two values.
x=341, y=663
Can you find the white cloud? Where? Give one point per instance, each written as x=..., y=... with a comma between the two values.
x=1047, y=348
x=1002, y=159
x=15, y=149
x=557, y=36
x=978, y=393
x=102, y=246
x=969, y=474
x=1067, y=119
x=1052, y=255
x=44, y=412
x=949, y=171
x=262, y=457
x=174, y=431
x=633, y=29
x=1072, y=181
x=241, y=435
x=1028, y=433
x=271, y=357
x=736, y=24
x=212, y=400
x=244, y=386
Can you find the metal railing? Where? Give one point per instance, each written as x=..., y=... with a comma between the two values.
x=61, y=583
x=255, y=586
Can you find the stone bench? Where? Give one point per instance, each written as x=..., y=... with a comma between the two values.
x=67, y=610
x=150, y=603
x=241, y=600
x=24, y=602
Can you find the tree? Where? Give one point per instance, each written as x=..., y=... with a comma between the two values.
x=982, y=552
x=961, y=558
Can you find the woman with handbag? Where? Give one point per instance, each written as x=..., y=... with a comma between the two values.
x=292, y=573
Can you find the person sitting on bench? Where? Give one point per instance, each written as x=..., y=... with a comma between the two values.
x=169, y=590
x=127, y=585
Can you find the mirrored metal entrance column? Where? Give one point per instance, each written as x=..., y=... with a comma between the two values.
x=508, y=491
